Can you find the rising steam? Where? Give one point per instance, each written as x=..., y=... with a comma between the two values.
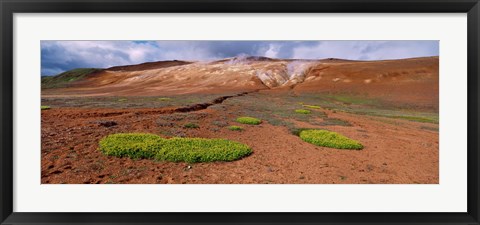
x=293, y=73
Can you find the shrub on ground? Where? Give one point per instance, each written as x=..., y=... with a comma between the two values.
x=191, y=150
x=201, y=150
x=249, y=120
x=312, y=106
x=329, y=139
x=132, y=145
x=235, y=128
x=303, y=111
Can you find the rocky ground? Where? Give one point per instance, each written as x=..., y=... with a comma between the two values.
x=397, y=150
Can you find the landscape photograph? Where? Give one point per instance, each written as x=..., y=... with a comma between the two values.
x=239, y=112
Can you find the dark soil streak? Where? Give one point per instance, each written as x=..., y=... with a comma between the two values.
x=202, y=106
x=152, y=111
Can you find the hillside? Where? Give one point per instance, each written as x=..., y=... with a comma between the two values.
x=66, y=78
x=412, y=80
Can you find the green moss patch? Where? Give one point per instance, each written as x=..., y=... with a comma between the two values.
x=422, y=119
x=65, y=78
x=132, y=145
x=191, y=150
x=354, y=99
x=312, y=106
x=202, y=150
x=329, y=139
x=235, y=128
x=249, y=120
x=303, y=111
x=44, y=107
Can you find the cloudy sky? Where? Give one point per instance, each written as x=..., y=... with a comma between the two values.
x=59, y=56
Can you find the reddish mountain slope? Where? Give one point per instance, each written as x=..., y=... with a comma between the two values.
x=405, y=81
x=408, y=80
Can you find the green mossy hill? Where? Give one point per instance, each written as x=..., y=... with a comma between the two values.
x=63, y=79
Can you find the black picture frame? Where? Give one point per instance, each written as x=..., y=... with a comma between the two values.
x=9, y=7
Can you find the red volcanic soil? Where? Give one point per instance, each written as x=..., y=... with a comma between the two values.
x=396, y=151
x=413, y=81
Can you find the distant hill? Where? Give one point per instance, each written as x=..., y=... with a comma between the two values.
x=149, y=65
x=404, y=80
x=71, y=77
x=64, y=79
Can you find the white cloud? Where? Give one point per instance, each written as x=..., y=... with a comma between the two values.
x=65, y=55
x=181, y=50
x=272, y=51
x=366, y=50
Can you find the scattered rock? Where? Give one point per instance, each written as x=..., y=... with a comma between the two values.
x=187, y=168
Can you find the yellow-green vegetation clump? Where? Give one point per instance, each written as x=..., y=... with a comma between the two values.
x=302, y=111
x=44, y=107
x=122, y=100
x=164, y=99
x=191, y=150
x=423, y=119
x=202, y=150
x=312, y=106
x=132, y=145
x=329, y=139
x=235, y=128
x=249, y=120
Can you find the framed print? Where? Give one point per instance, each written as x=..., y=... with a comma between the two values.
x=261, y=112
